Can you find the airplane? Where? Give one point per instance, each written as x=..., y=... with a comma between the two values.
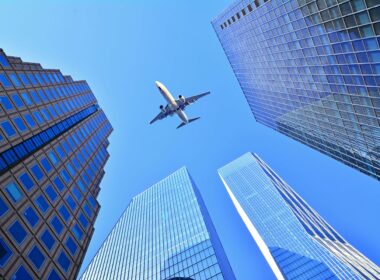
x=176, y=106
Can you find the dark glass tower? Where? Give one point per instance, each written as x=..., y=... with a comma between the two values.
x=310, y=69
x=53, y=140
x=165, y=234
x=294, y=239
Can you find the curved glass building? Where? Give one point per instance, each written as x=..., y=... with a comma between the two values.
x=165, y=233
x=310, y=69
x=294, y=239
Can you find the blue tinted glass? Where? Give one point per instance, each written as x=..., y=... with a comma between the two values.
x=32, y=79
x=57, y=225
x=38, y=76
x=3, y=61
x=36, y=257
x=46, y=114
x=7, y=105
x=64, y=213
x=60, y=152
x=58, y=182
x=18, y=232
x=78, y=232
x=65, y=176
x=77, y=193
x=37, y=172
x=26, y=98
x=26, y=181
x=17, y=100
x=5, y=253
x=24, y=79
x=54, y=276
x=87, y=209
x=15, y=80
x=52, y=194
x=35, y=97
x=53, y=157
x=14, y=192
x=46, y=164
x=48, y=239
x=71, y=202
x=22, y=274
x=3, y=207
x=8, y=129
x=30, y=120
x=4, y=81
x=19, y=124
x=31, y=216
x=38, y=117
x=83, y=220
x=42, y=203
x=64, y=261
x=71, y=245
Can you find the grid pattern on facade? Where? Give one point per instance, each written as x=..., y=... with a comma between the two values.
x=311, y=70
x=53, y=140
x=162, y=235
x=300, y=241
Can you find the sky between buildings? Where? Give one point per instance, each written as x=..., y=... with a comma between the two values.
x=121, y=48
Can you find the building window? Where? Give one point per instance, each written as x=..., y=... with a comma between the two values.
x=4, y=80
x=233, y=18
x=229, y=22
x=5, y=253
x=77, y=232
x=22, y=273
x=250, y=9
x=257, y=4
x=48, y=239
x=14, y=79
x=46, y=164
x=31, y=216
x=64, y=261
x=14, y=192
x=6, y=103
x=51, y=193
x=3, y=207
x=37, y=172
x=65, y=214
x=19, y=124
x=8, y=129
x=42, y=203
x=3, y=61
x=71, y=202
x=82, y=219
x=26, y=98
x=243, y=12
x=30, y=120
x=18, y=232
x=225, y=24
x=53, y=158
x=58, y=183
x=221, y=26
x=24, y=79
x=26, y=181
x=32, y=79
x=57, y=225
x=36, y=257
x=238, y=15
x=71, y=245
x=54, y=275
x=65, y=176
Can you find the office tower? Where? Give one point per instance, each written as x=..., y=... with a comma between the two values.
x=165, y=233
x=294, y=239
x=310, y=69
x=53, y=140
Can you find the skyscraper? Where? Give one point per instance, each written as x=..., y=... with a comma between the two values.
x=165, y=233
x=310, y=69
x=294, y=239
x=53, y=140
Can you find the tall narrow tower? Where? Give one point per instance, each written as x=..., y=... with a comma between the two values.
x=294, y=239
x=165, y=233
x=53, y=140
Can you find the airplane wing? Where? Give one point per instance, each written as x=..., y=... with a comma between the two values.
x=162, y=115
x=191, y=99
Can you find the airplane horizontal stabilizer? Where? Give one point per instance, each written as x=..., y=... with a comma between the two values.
x=190, y=120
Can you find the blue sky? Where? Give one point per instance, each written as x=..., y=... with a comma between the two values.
x=121, y=48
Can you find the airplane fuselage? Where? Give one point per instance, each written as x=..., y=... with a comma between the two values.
x=171, y=102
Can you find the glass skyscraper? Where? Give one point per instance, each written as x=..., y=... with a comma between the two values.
x=165, y=233
x=310, y=69
x=53, y=140
x=294, y=239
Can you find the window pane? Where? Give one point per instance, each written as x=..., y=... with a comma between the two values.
x=14, y=192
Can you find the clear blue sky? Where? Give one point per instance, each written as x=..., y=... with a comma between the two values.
x=121, y=48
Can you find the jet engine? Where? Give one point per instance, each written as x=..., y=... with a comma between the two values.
x=162, y=109
x=182, y=98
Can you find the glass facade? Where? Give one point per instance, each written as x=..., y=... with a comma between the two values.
x=165, y=233
x=53, y=147
x=295, y=240
x=310, y=69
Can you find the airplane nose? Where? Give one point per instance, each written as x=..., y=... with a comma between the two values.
x=157, y=83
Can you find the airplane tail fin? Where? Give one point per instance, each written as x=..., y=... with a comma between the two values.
x=190, y=120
